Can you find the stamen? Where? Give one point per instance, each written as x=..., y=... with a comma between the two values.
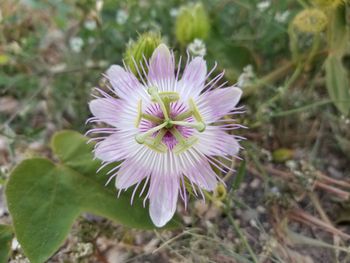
x=183, y=116
x=178, y=136
x=159, y=137
x=183, y=144
x=181, y=147
x=155, y=95
x=139, y=113
x=195, y=110
x=199, y=126
x=156, y=146
x=140, y=138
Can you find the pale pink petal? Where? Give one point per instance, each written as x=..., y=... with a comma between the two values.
x=106, y=110
x=214, y=141
x=202, y=175
x=129, y=174
x=163, y=198
x=217, y=103
x=193, y=79
x=161, y=72
x=115, y=112
x=116, y=147
x=125, y=84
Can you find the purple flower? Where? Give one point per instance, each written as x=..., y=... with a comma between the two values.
x=165, y=128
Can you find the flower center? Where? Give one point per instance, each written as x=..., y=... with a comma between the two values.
x=168, y=124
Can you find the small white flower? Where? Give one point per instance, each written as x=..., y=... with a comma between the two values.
x=99, y=5
x=89, y=63
x=173, y=12
x=90, y=24
x=197, y=48
x=76, y=44
x=247, y=77
x=282, y=17
x=121, y=16
x=262, y=6
x=15, y=245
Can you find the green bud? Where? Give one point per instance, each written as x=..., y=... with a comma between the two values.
x=143, y=47
x=281, y=155
x=311, y=21
x=220, y=193
x=192, y=22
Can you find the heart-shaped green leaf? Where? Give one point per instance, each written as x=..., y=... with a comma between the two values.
x=74, y=151
x=5, y=242
x=45, y=198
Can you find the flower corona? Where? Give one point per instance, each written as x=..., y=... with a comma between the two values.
x=167, y=132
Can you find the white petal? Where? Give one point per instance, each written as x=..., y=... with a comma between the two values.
x=217, y=103
x=126, y=84
x=106, y=110
x=193, y=79
x=116, y=147
x=201, y=173
x=163, y=198
x=129, y=174
x=161, y=72
x=214, y=141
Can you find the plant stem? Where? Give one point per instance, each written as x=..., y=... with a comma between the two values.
x=242, y=237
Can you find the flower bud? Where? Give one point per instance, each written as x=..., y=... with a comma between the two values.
x=310, y=20
x=136, y=51
x=220, y=193
x=281, y=155
x=192, y=22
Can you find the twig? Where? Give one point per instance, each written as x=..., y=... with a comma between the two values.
x=342, y=194
x=303, y=217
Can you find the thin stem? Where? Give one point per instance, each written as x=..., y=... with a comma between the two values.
x=301, y=109
x=242, y=237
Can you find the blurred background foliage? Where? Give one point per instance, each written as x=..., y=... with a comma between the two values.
x=57, y=49
x=52, y=53
x=291, y=58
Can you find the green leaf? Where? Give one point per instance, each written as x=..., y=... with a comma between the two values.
x=337, y=77
x=338, y=84
x=230, y=56
x=73, y=150
x=5, y=242
x=44, y=198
